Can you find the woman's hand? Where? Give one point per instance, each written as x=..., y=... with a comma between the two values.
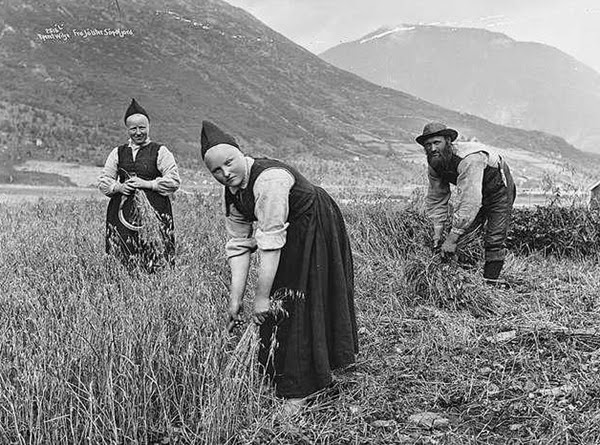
x=234, y=313
x=262, y=306
x=124, y=188
x=139, y=183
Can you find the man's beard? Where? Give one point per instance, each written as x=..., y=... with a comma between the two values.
x=442, y=162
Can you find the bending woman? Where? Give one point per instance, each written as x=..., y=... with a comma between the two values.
x=304, y=297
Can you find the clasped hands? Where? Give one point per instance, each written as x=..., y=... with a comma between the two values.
x=129, y=186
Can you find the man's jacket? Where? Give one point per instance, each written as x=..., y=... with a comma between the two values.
x=477, y=172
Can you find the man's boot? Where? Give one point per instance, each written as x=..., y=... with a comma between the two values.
x=491, y=272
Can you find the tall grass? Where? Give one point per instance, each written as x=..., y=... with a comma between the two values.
x=93, y=354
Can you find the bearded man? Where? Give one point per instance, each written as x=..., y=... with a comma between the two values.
x=486, y=193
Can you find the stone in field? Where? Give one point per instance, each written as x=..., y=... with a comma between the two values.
x=429, y=420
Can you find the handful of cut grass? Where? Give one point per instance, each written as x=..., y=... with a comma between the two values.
x=239, y=386
x=148, y=220
x=446, y=285
x=244, y=356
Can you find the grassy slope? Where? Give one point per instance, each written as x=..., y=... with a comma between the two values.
x=88, y=351
x=228, y=67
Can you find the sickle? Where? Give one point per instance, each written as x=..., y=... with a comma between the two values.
x=122, y=217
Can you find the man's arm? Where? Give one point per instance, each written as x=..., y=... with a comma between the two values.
x=436, y=202
x=470, y=195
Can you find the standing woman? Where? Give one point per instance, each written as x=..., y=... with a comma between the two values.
x=140, y=164
x=304, y=297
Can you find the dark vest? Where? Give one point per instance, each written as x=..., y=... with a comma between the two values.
x=144, y=165
x=301, y=197
x=492, y=176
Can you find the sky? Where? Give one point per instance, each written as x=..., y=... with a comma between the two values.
x=572, y=26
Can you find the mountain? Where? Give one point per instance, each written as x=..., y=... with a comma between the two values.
x=69, y=67
x=519, y=84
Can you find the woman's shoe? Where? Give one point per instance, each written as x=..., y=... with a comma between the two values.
x=293, y=407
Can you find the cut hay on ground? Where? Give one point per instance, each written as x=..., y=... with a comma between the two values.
x=446, y=285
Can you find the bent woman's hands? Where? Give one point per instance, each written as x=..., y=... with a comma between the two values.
x=261, y=309
x=234, y=314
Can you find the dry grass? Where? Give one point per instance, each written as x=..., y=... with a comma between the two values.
x=152, y=234
x=445, y=284
x=90, y=353
x=149, y=221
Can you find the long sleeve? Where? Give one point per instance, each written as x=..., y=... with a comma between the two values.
x=271, y=193
x=169, y=181
x=469, y=185
x=239, y=231
x=166, y=184
x=437, y=198
x=108, y=177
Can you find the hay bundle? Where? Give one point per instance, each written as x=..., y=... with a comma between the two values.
x=242, y=362
x=150, y=226
x=150, y=241
x=446, y=285
x=233, y=390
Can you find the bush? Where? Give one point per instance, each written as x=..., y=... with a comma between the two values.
x=553, y=230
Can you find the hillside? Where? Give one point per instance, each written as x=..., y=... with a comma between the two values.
x=63, y=89
x=521, y=84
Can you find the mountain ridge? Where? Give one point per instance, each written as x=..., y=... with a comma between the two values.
x=195, y=61
x=528, y=85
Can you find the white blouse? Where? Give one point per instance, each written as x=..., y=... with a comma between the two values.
x=271, y=193
x=166, y=184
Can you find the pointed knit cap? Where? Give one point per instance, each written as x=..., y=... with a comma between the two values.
x=135, y=108
x=212, y=135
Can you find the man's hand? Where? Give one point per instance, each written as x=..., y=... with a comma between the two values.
x=449, y=246
x=262, y=306
x=437, y=236
x=139, y=183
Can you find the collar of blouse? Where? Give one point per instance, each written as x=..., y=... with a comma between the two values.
x=134, y=146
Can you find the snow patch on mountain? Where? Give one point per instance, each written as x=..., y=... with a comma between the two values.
x=385, y=33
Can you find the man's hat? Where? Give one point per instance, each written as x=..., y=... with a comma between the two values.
x=135, y=108
x=212, y=135
x=436, y=129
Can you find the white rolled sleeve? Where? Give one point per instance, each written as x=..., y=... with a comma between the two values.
x=108, y=177
x=239, y=230
x=271, y=193
x=169, y=182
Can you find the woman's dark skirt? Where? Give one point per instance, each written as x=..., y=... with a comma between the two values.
x=314, y=329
